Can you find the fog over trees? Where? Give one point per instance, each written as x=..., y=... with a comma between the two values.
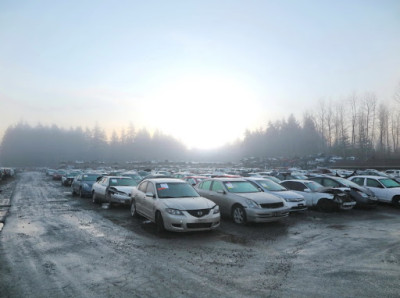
x=358, y=125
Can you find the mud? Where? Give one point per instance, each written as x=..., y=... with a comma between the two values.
x=56, y=245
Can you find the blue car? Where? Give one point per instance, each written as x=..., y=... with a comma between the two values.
x=82, y=184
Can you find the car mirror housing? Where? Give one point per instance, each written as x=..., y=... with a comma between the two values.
x=149, y=194
x=221, y=191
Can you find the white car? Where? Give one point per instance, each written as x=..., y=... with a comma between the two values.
x=316, y=196
x=385, y=189
x=113, y=189
x=174, y=205
x=294, y=200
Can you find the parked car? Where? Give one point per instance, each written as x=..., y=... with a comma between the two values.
x=317, y=196
x=66, y=180
x=241, y=200
x=133, y=174
x=174, y=205
x=294, y=200
x=289, y=175
x=193, y=180
x=363, y=196
x=113, y=189
x=82, y=184
x=58, y=174
x=385, y=189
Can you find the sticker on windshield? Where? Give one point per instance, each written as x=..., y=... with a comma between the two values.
x=163, y=186
x=85, y=176
x=229, y=185
x=114, y=181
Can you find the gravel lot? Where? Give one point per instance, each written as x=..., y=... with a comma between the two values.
x=56, y=245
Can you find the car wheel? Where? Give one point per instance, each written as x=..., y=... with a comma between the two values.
x=94, y=198
x=159, y=222
x=325, y=205
x=133, y=210
x=396, y=201
x=239, y=215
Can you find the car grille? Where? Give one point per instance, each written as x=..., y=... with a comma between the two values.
x=199, y=212
x=201, y=225
x=272, y=205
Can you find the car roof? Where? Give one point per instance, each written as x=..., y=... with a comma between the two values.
x=117, y=177
x=370, y=176
x=228, y=179
x=165, y=180
x=297, y=180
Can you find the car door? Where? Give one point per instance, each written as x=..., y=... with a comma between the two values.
x=378, y=189
x=220, y=196
x=101, y=188
x=149, y=201
x=140, y=196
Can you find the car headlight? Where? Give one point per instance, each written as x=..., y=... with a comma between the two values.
x=215, y=209
x=252, y=204
x=364, y=195
x=174, y=211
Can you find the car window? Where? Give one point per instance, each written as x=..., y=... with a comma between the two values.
x=89, y=177
x=142, y=187
x=330, y=183
x=389, y=183
x=271, y=185
x=175, y=190
x=150, y=188
x=240, y=187
x=217, y=186
x=318, y=180
x=314, y=186
x=205, y=185
x=358, y=180
x=373, y=183
x=298, y=186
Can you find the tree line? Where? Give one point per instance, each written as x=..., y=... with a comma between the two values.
x=358, y=125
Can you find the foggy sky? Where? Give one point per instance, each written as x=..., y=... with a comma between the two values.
x=203, y=71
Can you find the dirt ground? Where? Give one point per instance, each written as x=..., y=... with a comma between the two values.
x=56, y=245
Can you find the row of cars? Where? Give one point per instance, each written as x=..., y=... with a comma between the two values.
x=174, y=204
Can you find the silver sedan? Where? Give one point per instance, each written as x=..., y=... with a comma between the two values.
x=243, y=201
x=174, y=205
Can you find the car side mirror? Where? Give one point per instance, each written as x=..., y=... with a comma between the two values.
x=221, y=191
x=149, y=194
x=307, y=190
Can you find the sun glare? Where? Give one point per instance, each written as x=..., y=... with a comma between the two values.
x=203, y=112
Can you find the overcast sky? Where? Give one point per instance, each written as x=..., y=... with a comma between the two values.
x=202, y=71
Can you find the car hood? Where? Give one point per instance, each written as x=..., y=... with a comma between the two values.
x=191, y=203
x=287, y=194
x=125, y=189
x=261, y=197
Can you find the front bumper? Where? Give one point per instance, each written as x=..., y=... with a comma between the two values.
x=187, y=223
x=266, y=214
x=297, y=206
x=120, y=199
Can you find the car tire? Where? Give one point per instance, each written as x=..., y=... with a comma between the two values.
x=325, y=205
x=159, y=223
x=133, y=209
x=239, y=215
x=94, y=198
x=396, y=201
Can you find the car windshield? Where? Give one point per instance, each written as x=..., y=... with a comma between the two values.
x=389, y=183
x=240, y=186
x=347, y=183
x=123, y=182
x=90, y=177
x=175, y=190
x=271, y=185
x=314, y=186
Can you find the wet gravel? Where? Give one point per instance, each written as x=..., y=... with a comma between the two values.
x=57, y=245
